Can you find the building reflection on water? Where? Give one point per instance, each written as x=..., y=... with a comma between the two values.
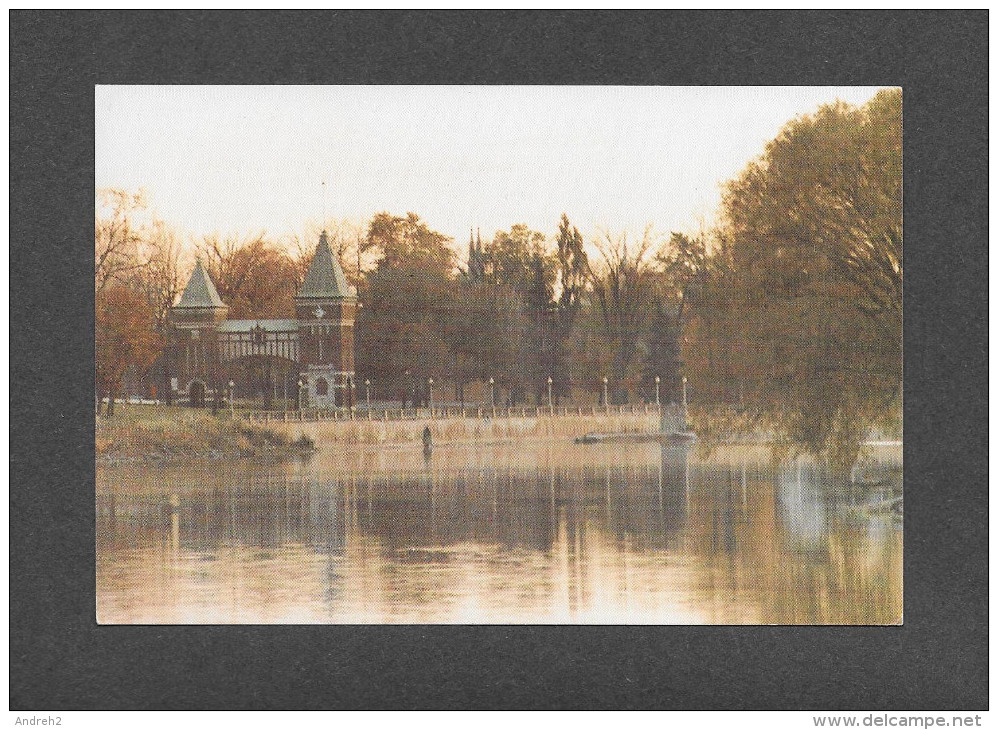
x=554, y=534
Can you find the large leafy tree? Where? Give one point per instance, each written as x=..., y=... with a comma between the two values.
x=571, y=283
x=800, y=319
x=407, y=243
x=486, y=338
x=682, y=267
x=408, y=307
x=519, y=267
x=512, y=256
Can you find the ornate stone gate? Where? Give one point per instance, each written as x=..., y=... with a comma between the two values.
x=316, y=347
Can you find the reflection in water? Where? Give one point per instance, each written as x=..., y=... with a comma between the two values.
x=547, y=533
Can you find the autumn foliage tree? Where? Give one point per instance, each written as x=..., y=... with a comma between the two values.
x=126, y=337
x=254, y=277
x=135, y=251
x=407, y=242
x=800, y=319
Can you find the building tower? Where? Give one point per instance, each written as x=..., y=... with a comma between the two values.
x=195, y=319
x=326, y=308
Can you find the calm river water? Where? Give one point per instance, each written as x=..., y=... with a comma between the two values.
x=514, y=533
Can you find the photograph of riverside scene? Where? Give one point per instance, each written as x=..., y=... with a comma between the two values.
x=556, y=355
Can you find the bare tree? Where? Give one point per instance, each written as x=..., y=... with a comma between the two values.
x=117, y=236
x=621, y=286
x=254, y=277
x=347, y=239
x=217, y=253
x=162, y=277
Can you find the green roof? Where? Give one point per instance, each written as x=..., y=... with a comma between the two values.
x=325, y=278
x=200, y=292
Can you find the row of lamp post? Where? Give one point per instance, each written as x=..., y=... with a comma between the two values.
x=492, y=393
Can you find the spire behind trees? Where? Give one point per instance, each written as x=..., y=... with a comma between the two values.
x=476, y=262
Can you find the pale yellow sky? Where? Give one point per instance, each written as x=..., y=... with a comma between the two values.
x=241, y=159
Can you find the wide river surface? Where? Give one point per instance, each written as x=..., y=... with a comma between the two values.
x=541, y=532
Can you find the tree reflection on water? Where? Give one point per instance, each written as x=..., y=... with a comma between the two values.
x=547, y=533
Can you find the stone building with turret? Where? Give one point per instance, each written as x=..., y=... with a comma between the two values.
x=307, y=361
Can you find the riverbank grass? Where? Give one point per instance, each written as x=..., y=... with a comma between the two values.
x=164, y=433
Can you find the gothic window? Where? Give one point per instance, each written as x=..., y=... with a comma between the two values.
x=259, y=335
x=321, y=387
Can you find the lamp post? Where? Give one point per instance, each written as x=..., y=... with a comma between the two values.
x=685, y=417
x=429, y=383
x=606, y=399
x=492, y=394
x=301, y=391
x=657, y=381
x=232, y=398
x=550, y=402
x=367, y=389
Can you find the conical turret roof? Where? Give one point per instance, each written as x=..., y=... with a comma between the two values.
x=325, y=278
x=200, y=292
